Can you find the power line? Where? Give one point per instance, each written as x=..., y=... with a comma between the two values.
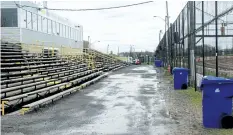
x=88, y=9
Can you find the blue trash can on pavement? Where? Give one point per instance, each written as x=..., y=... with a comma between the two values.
x=158, y=63
x=217, y=93
x=180, y=77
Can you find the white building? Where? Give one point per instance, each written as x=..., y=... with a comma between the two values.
x=24, y=24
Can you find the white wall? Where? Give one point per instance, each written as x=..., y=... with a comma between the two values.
x=8, y=4
x=10, y=34
x=32, y=37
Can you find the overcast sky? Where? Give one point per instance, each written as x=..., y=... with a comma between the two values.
x=120, y=27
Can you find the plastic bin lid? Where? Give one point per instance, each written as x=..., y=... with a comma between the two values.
x=215, y=80
x=179, y=69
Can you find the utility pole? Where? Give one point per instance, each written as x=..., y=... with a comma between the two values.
x=167, y=23
x=118, y=51
x=160, y=35
x=167, y=13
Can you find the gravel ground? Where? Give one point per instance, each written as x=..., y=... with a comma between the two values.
x=137, y=100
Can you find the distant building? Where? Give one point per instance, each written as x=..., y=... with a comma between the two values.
x=29, y=25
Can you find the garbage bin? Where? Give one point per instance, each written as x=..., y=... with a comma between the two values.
x=180, y=77
x=217, y=93
x=158, y=63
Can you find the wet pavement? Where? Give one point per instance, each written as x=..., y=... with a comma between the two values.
x=136, y=100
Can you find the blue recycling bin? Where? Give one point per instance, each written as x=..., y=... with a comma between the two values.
x=180, y=77
x=217, y=93
x=158, y=63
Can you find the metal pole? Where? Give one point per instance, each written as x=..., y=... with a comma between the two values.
x=176, y=61
x=183, y=62
x=192, y=39
x=171, y=47
x=167, y=22
x=179, y=50
x=195, y=64
x=107, y=49
x=203, y=41
x=165, y=40
x=216, y=34
x=160, y=35
x=167, y=13
x=88, y=41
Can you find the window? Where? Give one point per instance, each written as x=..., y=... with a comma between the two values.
x=34, y=21
x=40, y=23
x=71, y=33
x=67, y=31
x=78, y=35
x=75, y=34
x=9, y=17
x=29, y=20
x=44, y=24
x=23, y=18
x=58, y=29
x=64, y=31
x=54, y=28
x=61, y=30
x=49, y=26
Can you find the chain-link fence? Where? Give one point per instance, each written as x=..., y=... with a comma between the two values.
x=200, y=39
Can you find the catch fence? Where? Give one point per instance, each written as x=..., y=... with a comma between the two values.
x=200, y=39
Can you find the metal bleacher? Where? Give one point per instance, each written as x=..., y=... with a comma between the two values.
x=29, y=80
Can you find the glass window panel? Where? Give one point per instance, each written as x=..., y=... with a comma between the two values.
x=57, y=28
x=29, y=20
x=61, y=30
x=39, y=23
x=34, y=21
x=49, y=26
x=23, y=18
x=68, y=30
x=54, y=27
x=44, y=20
x=72, y=35
x=9, y=17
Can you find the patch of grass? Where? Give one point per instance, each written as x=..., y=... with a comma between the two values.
x=220, y=131
x=167, y=74
x=194, y=96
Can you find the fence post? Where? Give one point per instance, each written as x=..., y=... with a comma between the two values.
x=192, y=40
x=203, y=41
x=216, y=35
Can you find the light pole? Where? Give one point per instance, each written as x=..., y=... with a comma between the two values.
x=131, y=50
x=160, y=32
x=166, y=39
x=107, y=49
x=88, y=41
